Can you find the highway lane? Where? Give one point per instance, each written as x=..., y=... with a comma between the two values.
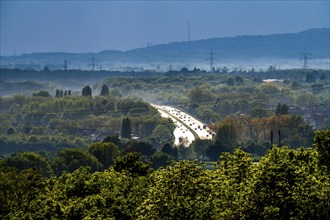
x=187, y=128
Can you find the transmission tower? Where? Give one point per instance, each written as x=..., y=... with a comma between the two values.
x=305, y=58
x=211, y=58
x=93, y=63
x=65, y=65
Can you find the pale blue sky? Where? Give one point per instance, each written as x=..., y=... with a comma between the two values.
x=93, y=26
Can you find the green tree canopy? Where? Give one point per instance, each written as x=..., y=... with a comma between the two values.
x=87, y=91
x=322, y=146
x=70, y=159
x=126, y=128
x=132, y=164
x=104, y=90
x=106, y=153
x=27, y=160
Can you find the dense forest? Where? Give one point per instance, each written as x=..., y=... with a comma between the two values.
x=95, y=148
x=99, y=184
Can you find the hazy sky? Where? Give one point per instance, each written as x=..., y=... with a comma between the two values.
x=93, y=26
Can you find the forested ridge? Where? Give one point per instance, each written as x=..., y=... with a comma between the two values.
x=285, y=184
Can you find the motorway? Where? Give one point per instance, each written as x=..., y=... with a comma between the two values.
x=187, y=128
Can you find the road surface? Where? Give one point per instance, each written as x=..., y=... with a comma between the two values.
x=187, y=128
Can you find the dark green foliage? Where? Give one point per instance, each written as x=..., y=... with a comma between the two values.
x=295, y=85
x=42, y=94
x=71, y=120
x=106, y=153
x=147, y=127
x=58, y=93
x=231, y=82
x=68, y=160
x=285, y=184
x=113, y=139
x=200, y=147
x=179, y=191
x=289, y=185
x=142, y=147
x=115, y=93
x=322, y=146
x=162, y=133
x=160, y=159
x=226, y=140
x=199, y=94
x=214, y=150
x=126, y=128
x=27, y=160
x=86, y=91
x=10, y=131
x=104, y=90
x=20, y=192
x=170, y=150
x=227, y=135
x=132, y=164
x=31, y=142
x=256, y=149
x=259, y=112
x=282, y=109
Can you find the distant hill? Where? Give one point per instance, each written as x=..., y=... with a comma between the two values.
x=227, y=50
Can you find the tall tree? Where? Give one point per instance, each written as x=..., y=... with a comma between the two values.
x=227, y=135
x=104, y=90
x=87, y=91
x=70, y=159
x=27, y=160
x=58, y=93
x=132, y=164
x=106, y=153
x=126, y=128
x=282, y=109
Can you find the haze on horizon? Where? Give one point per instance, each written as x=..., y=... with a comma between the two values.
x=93, y=26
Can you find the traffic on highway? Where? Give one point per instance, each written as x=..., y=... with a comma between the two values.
x=187, y=128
